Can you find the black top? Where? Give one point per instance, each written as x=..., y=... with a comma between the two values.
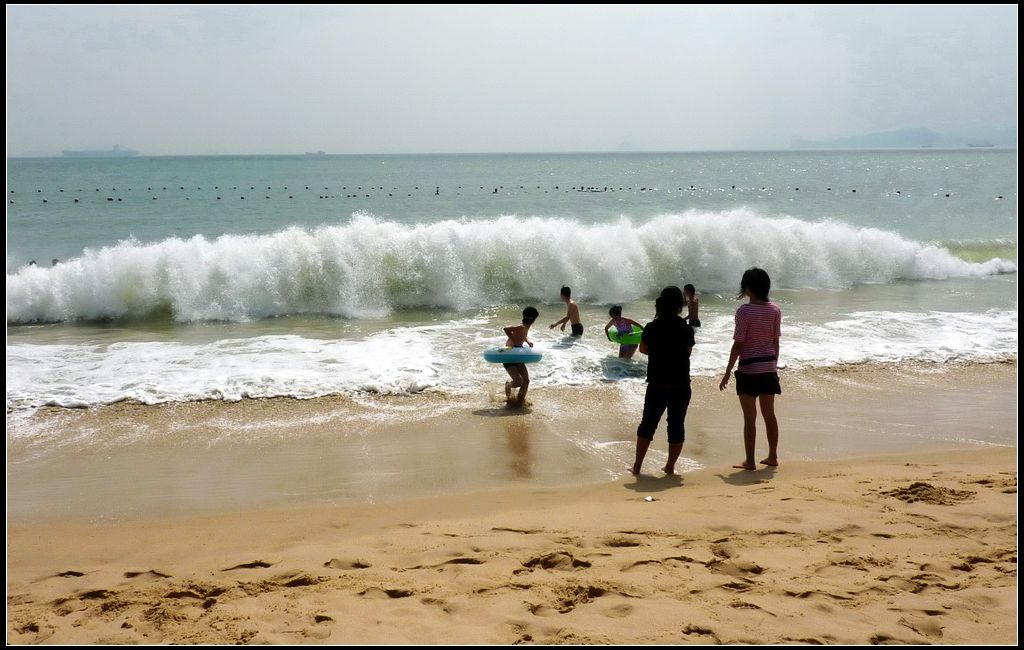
x=668, y=340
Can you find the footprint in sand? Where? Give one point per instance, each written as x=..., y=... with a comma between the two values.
x=346, y=564
x=453, y=561
x=296, y=579
x=723, y=551
x=923, y=626
x=569, y=597
x=699, y=631
x=255, y=564
x=145, y=574
x=383, y=594
x=446, y=607
x=742, y=604
x=184, y=593
x=621, y=542
x=558, y=561
x=642, y=563
x=65, y=606
x=735, y=568
x=541, y=609
x=619, y=611
x=523, y=531
x=97, y=594
x=39, y=632
x=738, y=587
x=69, y=574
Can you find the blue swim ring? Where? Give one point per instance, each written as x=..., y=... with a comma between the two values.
x=512, y=355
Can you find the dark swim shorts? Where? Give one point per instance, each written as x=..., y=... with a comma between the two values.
x=763, y=383
x=577, y=329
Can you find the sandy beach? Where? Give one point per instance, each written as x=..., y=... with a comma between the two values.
x=913, y=546
x=263, y=266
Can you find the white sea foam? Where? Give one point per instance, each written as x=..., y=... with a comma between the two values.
x=371, y=267
x=447, y=357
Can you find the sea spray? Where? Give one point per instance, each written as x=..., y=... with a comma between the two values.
x=370, y=266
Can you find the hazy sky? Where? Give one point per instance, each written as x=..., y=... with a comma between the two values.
x=371, y=79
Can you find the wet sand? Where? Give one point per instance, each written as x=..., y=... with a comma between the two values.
x=490, y=527
x=130, y=461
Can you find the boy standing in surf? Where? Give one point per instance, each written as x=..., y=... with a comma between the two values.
x=517, y=336
x=692, y=305
x=572, y=315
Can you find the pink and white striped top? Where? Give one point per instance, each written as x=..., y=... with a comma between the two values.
x=756, y=328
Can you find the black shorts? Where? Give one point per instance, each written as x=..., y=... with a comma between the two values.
x=661, y=398
x=513, y=365
x=763, y=383
x=577, y=329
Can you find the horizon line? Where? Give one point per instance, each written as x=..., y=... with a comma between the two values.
x=320, y=154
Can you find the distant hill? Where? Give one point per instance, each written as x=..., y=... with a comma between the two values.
x=115, y=152
x=915, y=138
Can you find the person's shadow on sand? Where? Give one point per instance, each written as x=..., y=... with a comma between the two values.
x=749, y=477
x=503, y=411
x=654, y=483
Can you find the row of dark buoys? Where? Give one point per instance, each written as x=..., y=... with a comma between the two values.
x=580, y=188
x=437, y=191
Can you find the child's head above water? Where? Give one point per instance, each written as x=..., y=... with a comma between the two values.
x=530, y=314
x=689, y=290
x=615, y=311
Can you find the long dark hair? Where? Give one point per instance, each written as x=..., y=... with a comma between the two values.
x=757, y=281
x=669, y=303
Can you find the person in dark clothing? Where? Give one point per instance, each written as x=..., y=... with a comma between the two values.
x=667, y=341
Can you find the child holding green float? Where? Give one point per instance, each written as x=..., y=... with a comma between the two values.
x=623, y=326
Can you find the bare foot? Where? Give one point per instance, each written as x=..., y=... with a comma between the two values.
x=508, y=390
x=669, y=470
x=750, y=466
x=770, y=462
x=634, y=470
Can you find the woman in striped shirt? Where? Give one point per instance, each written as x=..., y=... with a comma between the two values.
x=756, y=345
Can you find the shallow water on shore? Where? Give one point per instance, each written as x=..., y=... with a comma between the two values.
x=129, y=461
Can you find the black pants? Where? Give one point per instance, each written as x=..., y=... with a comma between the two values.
x=660, y=397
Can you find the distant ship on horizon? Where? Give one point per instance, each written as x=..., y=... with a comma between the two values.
x=315, y=153
x=980, y=144
x=114, y=152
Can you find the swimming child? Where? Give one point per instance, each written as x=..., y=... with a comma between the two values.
x=622, y=326
x=517, y=336
x=692, y=305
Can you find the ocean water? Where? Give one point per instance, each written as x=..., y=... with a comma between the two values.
x=227, y=278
